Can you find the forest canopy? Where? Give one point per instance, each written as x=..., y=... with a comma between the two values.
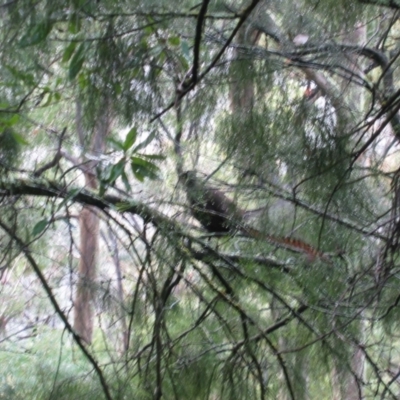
x=199, y=200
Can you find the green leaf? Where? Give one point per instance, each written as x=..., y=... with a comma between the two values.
x=122, y=207
x=116, y=144
x=138, y=175
x=184, y=61
x=149, y=30
x=40, y=227
x=48, y=100
x=143, y=169
x=146, y=142
x=116, y=171
x=126, y=181
x=19, y=139
x=118, y=88
x=102, y=189
x=69, y=50
x=130, y=139
x=83, y=80
x=74, y=25
x=36, y=34
x=144, y=163
x=174, y=40
x=13, y=120
x=77, y=62
x=25, y=77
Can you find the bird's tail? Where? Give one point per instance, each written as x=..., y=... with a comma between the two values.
x=288, y=243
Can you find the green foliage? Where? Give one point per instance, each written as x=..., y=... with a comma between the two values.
x=295, y=132
x=36, y=34
x=40, y=227
x=29, y=372
x=10, y=143
x=77, y=60
x=141, y=165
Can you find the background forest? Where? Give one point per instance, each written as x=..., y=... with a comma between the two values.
x=199, y=199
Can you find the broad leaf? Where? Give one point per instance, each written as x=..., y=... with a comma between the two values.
x=36, y=34
x=40, y=227
x=74, y=25
x=77, y=62
x=130, y=139
x=19, y=138
x=174, y=40
x=69, y=50
x=146, y=142
x=116, y=171
x=116, y=144
x=125, y=181
x=143, y=169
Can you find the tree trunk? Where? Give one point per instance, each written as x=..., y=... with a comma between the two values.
x=241, y=91
x=89, y=233
x=89, y=228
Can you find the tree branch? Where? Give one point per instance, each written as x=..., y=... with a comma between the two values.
x=243, y=16
x=55, y=160
x=197, y=39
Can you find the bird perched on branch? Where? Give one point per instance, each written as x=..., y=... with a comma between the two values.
x=216, y=212
x=220, y=215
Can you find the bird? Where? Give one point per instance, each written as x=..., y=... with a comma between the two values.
x=217, y=213
x=220, y=216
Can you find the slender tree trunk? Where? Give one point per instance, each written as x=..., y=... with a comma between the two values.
x=113, y=249
x=241, y=91
x=352, y=391
x=89, y=228
x=89, y=233
x=344, y=383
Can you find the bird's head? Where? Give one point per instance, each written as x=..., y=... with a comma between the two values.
x=188, y=178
